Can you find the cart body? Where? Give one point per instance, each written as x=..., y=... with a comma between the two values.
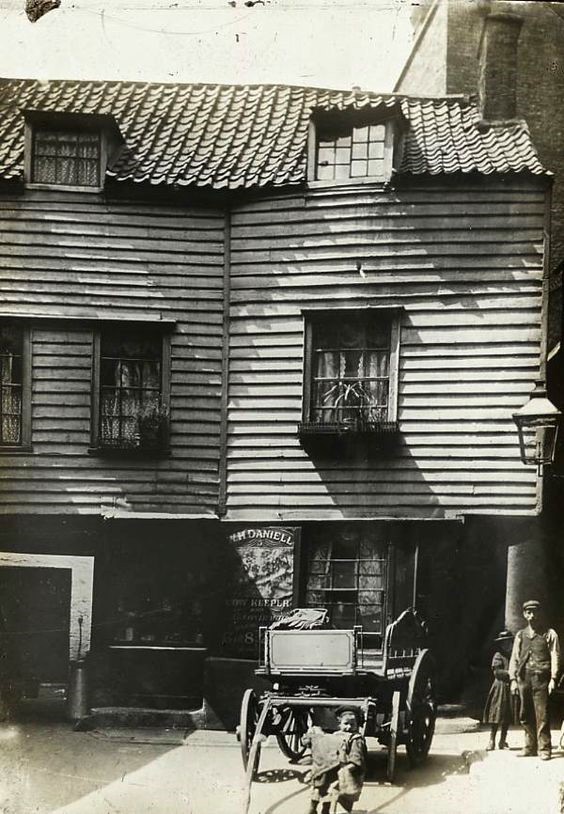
x=315, y=671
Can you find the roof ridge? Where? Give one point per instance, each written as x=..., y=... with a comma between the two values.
x=353, y=91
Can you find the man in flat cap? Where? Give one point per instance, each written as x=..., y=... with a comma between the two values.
x=533, y=670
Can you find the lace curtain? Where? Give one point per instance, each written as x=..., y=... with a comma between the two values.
x=10, y=385
x=350, y=373
x=66, y=158
x=347, y=575
x=130, y=391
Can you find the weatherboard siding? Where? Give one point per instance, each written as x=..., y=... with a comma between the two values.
x=87, y=258
x=465, y=262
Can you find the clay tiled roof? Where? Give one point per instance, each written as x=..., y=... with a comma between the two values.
x=224, y=136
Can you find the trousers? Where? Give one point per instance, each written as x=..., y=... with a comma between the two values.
x=533, y=692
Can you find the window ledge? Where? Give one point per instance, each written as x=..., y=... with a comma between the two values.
x=359, y=428
x=127, y=452
x=63, y=187
x=376, y=180
x=354, y=440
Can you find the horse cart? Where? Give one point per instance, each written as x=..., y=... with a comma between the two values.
x=315, y=671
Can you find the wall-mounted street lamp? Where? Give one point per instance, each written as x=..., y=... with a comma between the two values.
x=537, y=424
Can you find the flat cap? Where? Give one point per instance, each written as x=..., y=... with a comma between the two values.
x=531, y=604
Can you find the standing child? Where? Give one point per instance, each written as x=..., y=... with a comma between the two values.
x=338, y=763
x=498, y=708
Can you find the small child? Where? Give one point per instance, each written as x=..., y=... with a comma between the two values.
x=498, y=711
x=338, y=763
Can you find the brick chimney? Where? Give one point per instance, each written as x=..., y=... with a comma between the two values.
x=497, y=83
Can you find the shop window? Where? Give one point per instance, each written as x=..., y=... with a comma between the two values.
x=351, y=370
x=15, y=386
x=130, y=400
x=66, y=157
x=345, y=149
x=347, y=573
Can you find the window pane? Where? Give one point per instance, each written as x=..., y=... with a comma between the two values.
x=66, y=157
x=350, y=370
x=87, y=173
x=376, y=149
x=361, y=134
x=335, y=578
x=359, y=169
x=344, y=574
x=377, y=132
x=360, y=151
x=131, y=412
x=342, y=155
x=326, y=155
x=11, y=381
x=66, y=171
x=326, y=173
x=45, y=170
x=87, y=145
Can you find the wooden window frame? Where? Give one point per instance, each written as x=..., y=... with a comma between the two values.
x=25, y=443
x=392, y=314
x=31, y=127
x=100, y=449
x=387, y=166
x=387, y=590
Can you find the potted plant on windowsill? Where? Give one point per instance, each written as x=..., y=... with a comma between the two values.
x=365, y=430
x=153, y=426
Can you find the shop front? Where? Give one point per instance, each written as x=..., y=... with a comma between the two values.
x=156, y=614
x=363, y=572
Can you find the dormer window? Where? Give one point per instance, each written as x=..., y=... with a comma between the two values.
x=66, y=157
x=69, y=151
x=347, y=147
x=356, y=152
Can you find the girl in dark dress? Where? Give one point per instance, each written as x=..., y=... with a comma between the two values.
x=498, y=708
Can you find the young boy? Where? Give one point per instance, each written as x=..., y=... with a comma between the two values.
x=533, y=670
x=338, y=763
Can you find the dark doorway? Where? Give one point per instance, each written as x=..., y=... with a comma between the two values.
x=35, y=606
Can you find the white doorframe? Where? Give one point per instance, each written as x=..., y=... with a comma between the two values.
x=82, y=582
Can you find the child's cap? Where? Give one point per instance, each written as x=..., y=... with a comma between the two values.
x=345, y=710
x=504, y=636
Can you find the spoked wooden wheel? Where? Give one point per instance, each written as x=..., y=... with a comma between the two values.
x=247, y=727
x=421, y=709
x=393, y=742
x=294, y=724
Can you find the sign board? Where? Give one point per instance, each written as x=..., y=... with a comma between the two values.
x=261, y=585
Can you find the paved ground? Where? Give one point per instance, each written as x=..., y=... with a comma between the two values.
x=48, y=768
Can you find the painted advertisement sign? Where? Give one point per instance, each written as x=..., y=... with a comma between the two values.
x=261, y=585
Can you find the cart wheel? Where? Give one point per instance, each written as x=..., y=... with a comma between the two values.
x=247, y=727
x=393, y=743
x=421, y=709
x=295, y=723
